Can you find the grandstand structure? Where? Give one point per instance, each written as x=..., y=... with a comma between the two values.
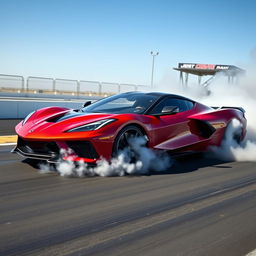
x=201, y=70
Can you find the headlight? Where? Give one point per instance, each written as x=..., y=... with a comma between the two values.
x=27, y=117
x=92, y=126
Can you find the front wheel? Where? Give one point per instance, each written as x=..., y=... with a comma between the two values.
x=124, y=140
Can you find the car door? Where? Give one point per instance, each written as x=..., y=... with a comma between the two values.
x=172, y=131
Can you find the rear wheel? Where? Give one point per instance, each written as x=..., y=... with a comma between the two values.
x=234, y=131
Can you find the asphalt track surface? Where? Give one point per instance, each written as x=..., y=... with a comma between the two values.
x=199, y=206
x=7, y=127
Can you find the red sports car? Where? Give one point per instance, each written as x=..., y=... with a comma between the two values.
x=102, y=129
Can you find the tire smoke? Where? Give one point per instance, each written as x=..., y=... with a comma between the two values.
x=240, y=94
x=137, y=159
x=231, y=150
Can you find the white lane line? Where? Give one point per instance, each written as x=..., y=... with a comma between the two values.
x=253, y=253
x=8, y=144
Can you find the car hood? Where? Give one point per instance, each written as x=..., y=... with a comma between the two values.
x=56, y=123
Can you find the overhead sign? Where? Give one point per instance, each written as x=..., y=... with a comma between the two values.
x=204, y=66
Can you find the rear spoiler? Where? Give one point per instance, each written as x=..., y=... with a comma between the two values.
x=238, y=108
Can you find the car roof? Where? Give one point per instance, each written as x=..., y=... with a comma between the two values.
x=160, y=94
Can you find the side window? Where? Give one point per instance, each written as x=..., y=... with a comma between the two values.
x=183, y=105
x=190, y=104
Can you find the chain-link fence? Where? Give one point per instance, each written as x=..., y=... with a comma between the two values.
x=32, y=84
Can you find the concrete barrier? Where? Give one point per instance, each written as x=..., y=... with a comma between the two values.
x=17, y=109
x=47, y=96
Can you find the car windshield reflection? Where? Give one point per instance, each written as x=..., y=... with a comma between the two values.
x=136, y=103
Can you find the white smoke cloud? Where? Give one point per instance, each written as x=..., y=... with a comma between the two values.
x=146, y=160
x=46, y=168
x=240, y=94
x=231, y=150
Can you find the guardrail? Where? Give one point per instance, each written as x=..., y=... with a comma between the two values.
x=34, y=84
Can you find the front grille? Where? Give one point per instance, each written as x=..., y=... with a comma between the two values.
x=49, y=150
x=37, y=147
x=83, y=149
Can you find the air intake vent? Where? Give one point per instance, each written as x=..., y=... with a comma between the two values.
x=83, y=149
x=65, y=116
x=38, y=147
x=55, y=119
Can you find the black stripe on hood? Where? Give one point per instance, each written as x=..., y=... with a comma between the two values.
x=68, y=115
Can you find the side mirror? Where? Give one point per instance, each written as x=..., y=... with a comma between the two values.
x=87, y=103
x=168, y=110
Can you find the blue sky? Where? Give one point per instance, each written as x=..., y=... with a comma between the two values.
x=111, y=40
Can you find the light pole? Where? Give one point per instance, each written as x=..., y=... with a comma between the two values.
x=154, y=54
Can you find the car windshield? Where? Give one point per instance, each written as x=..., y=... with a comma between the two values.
x=136, y=103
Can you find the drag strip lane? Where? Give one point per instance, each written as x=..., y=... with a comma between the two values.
x=51, y=215
x=100, y=241
x=7, y=127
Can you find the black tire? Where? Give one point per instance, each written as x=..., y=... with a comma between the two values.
x=121, y=141
x=237, y=134
x=238, y=137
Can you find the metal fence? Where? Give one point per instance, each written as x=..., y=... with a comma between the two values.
x=12, y=82
x=39, y=83
x=16, y=83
